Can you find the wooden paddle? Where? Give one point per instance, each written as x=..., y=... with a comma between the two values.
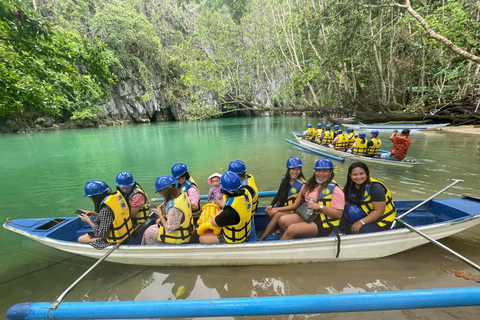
x=53, y=307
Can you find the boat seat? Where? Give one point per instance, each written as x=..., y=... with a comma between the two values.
x=253, y=233
x=83, y=230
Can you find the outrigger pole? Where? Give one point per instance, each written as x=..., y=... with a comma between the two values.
x=308, y=304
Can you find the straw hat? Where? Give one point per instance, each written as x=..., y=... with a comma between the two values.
x=217, y=175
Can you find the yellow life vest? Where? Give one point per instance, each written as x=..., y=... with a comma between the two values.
x=241, y=231
x=142, y=214
x=294, y=191
x=184, y=231
x=121, y=227
x=325, y=196
x=310, y=132
x=376, y=146
x=328, y=137
x=252, y=188
x=360, y=146
x=209, y=211
x=342, y=141
x=318, y=135
x=352, y=137
x=184, y=188
x=367, y=205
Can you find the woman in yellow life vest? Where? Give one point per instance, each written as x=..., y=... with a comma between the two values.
x=327, y=135
x=360, y=146
x=186, y=184
x=137, y=199
x=324, y=196
x=235, y=218
x=113, y=223
x=175, y=222
x=289, y=189
x=369, y=202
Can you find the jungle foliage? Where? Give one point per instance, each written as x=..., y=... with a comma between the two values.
x=275, y=55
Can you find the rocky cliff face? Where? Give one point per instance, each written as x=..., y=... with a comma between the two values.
x=129, y=104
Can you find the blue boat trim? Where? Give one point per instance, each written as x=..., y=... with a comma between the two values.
x=326, y=155
x=307, y=304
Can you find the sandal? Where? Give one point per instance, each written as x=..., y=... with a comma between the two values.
x=278, y=233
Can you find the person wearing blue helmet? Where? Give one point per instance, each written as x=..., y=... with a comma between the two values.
x=327, y=136
x=235, y=218
x=352, y=137
x=360, y=145
x=247, y=180
x=369, y=202
x=175, y=223
x=186, y=184
x=318, y=133
x=292, y=182
x=136, y=197
x=307, y=134
x=373, y=146
x=112, y=223
x=335, y=130
x=340, y=142
x=321, y=194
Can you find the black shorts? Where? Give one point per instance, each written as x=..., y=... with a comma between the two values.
x=322, y=232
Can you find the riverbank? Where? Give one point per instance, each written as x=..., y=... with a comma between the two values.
x=469, y=129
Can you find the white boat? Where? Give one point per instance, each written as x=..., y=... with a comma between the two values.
x=355, y=157
x=399, y=127
x=436, y=218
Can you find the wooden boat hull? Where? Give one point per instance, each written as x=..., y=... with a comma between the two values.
x=438, y=219
x=350, y=156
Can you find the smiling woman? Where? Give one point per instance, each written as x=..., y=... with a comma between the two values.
x=369, y=202
x=322, y=195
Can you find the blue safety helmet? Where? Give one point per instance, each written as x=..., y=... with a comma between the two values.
x=309, y=125
x=323, y=163
x=328, y=127
x=349, y=129
x=361, y=135
x=294, y=162
x=319, y=125
x=339, y=131
x=178, y=170
x=124, y=180
x=95, y=187
x=374, y=132
x=163, y=182
x=237, y=166
x=353, y=212
x=230, y=181
x=336, y=127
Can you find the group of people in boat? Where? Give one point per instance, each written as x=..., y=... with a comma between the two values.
x=358, y=144
x=363, y=205
x=118, y=215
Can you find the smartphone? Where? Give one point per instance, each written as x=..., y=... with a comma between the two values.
x=80, y=212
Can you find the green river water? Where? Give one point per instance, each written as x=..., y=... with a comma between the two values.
x=43, y=175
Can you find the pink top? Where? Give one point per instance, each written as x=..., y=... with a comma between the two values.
x=137, y=200
x=215, y=193
x=193, y=194
x=338, y=198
